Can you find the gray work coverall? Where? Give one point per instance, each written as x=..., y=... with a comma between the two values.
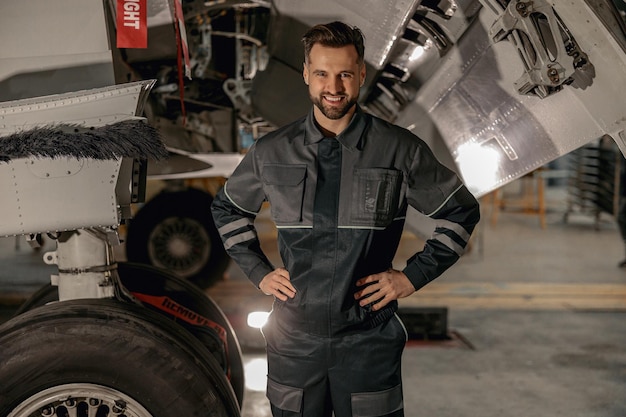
x=339, y=205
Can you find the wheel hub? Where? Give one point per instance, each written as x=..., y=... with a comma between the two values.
x=81, y=400
x=180, y=245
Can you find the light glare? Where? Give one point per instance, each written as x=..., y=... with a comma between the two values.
x=255, y=372
x=478, y=165
x=257, y=319
x=417, y=53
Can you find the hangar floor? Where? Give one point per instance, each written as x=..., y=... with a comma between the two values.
x=536, y=319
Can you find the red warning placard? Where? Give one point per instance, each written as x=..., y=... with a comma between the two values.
x=132, y=28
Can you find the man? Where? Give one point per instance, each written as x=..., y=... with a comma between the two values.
x=338, y=182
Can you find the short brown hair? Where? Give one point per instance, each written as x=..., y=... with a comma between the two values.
x=335, y=34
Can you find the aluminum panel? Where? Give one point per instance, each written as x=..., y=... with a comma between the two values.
x=53, y=46
x=57, y=194
x=45, y=194
x=497, y=135
x=96, y=107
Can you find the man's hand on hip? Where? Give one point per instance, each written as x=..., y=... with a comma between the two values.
x=382, y=288
x=278, y=284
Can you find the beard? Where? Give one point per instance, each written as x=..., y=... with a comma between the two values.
x=333, y=112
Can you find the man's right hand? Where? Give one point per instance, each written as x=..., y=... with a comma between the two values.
x=278, y=284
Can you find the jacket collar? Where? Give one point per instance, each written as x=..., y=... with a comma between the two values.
x=349, y=138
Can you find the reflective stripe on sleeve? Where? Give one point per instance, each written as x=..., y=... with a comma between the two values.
x=455, y=227
x=239, y=238
x=450, y=243
x=237, y=224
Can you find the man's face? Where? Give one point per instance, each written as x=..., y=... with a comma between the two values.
x=334, y=77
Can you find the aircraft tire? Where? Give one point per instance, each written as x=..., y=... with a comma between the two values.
x=106, y=357
x=152, y=281
x=175, y=231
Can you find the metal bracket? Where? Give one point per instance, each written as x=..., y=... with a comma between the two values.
x=86, y=264
x=35, y=240
x=550, y=55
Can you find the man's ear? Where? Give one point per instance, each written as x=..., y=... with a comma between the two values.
x=305, y=73
x=362, y=73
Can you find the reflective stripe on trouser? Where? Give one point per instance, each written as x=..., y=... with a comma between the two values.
x=355, y=375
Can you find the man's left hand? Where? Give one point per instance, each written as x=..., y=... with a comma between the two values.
x=382, y=288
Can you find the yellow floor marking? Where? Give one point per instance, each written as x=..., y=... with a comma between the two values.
x=551, y=296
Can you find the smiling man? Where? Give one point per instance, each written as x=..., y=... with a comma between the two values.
x=339, y=182
x=334, y=76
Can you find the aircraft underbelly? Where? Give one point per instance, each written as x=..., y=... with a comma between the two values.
x=494, y=133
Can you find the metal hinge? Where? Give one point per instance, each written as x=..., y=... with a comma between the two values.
x=550, y=54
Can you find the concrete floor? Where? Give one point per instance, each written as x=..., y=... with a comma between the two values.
x=537, y=319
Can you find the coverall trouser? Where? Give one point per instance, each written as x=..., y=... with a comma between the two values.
x=354, y=374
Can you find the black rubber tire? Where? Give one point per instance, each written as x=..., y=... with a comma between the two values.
x=145, y=279
x=183, y=217
x=110, y=345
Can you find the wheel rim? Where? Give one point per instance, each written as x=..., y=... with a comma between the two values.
x=180, y=245
x=81, y=400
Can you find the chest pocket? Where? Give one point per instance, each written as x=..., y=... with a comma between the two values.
x=375, y=196
x=284, y=186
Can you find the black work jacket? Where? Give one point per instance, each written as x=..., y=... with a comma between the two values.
x=382, y=169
